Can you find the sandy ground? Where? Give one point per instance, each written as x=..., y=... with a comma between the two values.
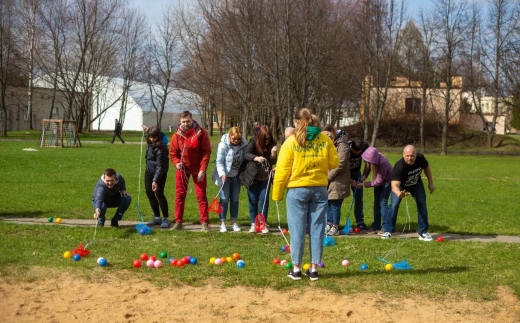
x=70, y=299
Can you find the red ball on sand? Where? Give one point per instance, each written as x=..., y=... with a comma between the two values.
x=144, y=257
x=356, y=230
x=137, y=263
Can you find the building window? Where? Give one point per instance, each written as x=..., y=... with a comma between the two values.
x=412, y=105
x=26, y=114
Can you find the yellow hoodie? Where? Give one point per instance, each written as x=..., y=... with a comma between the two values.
x=304, y=166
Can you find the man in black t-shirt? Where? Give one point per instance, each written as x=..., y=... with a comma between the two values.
x=406, y=180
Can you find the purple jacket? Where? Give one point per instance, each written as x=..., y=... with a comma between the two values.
x=384, y=168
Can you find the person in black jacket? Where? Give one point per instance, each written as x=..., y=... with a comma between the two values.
x=157, y=164
x=110, y=192
x=117, y=131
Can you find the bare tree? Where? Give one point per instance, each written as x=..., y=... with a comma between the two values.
x=452, y=28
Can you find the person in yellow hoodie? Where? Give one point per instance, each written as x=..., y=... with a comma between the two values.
x=302, y=168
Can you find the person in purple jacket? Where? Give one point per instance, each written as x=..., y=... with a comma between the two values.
x=381, y=170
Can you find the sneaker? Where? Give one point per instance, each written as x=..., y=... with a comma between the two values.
x=295, y=275
x=223, y=228
x=313, y=275
x=114, y=223
x=165, y=224
x=177, y=226
x=333, y=231
x=204, y=228
x=425, y=237
x=363, y=227
x=156, y=221
x=386, y=235
x=265, y=230
x=371, y=230
x=236, y=228
x=381, y=232
x=327, y=229
x=100, y=222
x=253, y=229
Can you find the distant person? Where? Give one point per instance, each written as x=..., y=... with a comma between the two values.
x=338, y=179
x=381, y=171
x=190, y=151
x=230, y=154
x=157, y=165
x=358, y=147
x=110, y=192
x=406, y=179
x=256, y=128
x=262, y=150
x=303, y=165
x=117, y=131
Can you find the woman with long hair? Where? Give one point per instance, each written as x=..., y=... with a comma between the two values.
x=303, y=165
x=262, y=150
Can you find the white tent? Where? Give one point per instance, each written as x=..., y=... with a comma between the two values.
x=107, y=104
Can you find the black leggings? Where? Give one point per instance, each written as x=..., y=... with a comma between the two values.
x=157, y=198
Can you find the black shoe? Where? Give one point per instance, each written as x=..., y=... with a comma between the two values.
x=313, y=276
x=363, y=227
x=101, y=222
x=295, y=275
x=114, y=223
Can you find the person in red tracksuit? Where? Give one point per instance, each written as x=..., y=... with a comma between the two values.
x=190, y=151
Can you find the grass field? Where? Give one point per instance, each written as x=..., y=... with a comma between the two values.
x=474, y=195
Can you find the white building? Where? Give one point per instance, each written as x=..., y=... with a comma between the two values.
x=107, y=104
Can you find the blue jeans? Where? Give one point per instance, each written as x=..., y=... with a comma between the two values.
x=381, y=196
x=257, y=193
x=122, y=204
x=358, y=199
x=230, y=191
x=418, y=193
x=334, y=211
x=307, y=208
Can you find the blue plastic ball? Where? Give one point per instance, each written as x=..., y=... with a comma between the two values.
x=193, y=261
x=282, y=248
x=76, y=257
x=103, y=262
x=241, y=264
x=364, y=267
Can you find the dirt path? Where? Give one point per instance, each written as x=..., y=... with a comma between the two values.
x=116, y=300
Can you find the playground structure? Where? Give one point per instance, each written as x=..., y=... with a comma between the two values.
x=59, y=133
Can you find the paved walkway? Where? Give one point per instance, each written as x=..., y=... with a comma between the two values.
x=273, y=230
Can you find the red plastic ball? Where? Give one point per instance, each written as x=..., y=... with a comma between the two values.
x=174, y=262
x=180, y=263
x=154, y=258
x=285, y=231
x=186, y=260
x=137, y=263
x=356, y=230
x=276, y=261
x=440, y=239
x=287, y=248
x=144, y=257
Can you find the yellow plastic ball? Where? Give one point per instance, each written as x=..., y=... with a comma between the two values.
x=229, y=259
x=212, y=260
x=388, y=267
x=58, y=220
x=67, y=254
x=306, y=267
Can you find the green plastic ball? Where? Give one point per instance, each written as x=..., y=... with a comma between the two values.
x=164, y=254
x=288, y=265
x=49, y=219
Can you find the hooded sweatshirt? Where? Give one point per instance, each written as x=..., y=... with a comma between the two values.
x=191, y=147
x=384, y=168
x=304, y=166
x=229, y=158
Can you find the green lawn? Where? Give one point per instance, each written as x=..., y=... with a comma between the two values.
x=474, y=195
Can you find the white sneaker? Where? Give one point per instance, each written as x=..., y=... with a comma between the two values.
x=386, y=235
x=223, y=228
x=425, y=237
x=236, y=228
x=253, y=229
x=265, y=230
